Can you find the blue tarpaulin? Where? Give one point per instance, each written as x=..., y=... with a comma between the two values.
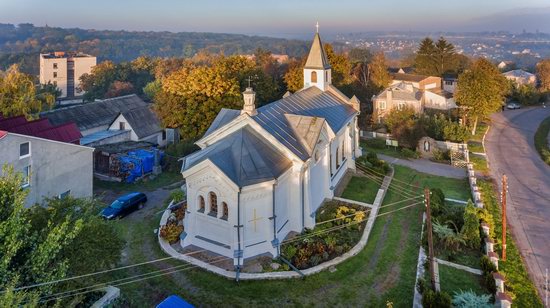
x=174, y=301
x=137, y=163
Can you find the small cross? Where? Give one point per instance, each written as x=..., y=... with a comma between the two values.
x=255, y=219
x=317, y=27
x=249, y=79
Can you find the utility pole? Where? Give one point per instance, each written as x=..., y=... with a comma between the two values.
x=504, y=191
x=430, y=237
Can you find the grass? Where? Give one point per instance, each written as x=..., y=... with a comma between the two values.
x=480, y=132
x=541, y=140
x=383, y=271
x=162, y=180
x=475, y=146
x=386, y=150
x=362, y=190
x=455, y=280
x=480, y=163
x=517, y=278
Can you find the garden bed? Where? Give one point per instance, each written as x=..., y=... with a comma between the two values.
x=339, y=227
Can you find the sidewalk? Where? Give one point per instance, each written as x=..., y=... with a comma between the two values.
x=426, y=166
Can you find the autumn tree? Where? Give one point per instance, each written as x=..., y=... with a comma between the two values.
x=18, y=95
x=98, y=82
x=543, y=74
x=379, y=77
x=340, y=67
x=294, y=76
x=481, y=90
x=119, y=88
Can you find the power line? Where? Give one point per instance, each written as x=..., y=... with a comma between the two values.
x=403, y=191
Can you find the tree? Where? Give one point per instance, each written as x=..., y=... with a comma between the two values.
x=97, y=83
x=379, y=76
x=444, y=56
x=360, y=55
x=424, y=61
x=470, y=299
x=481, y=90
x=470, y=229
x=525, y=94
x=543, y=72
x=294, y=77
x=404, y=127
x=119, y=88
x=18, y=95
x=29, y=257
x=340, y=66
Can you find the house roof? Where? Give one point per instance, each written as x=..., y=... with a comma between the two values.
x=312, y=102
x=244, y=157
x=306, y=129
x=408, y=77
x=143, y=120
x=94, y=114
x=317, y=58
x=224, y=116
x=42, y=128
x=518, y=73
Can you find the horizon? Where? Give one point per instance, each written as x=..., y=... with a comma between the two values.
x=251, y=18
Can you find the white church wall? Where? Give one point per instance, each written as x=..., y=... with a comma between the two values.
x=323, y=78
x=256, y=209
x=207, y=231
x=319, y=189
x=283, y=205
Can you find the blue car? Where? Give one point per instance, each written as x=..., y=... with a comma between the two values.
x=124, y=205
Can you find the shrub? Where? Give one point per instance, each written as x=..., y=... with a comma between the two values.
x=489, y=283
x=408, y=153
x=177, y=195
x=431, y=299
x=487, y=266
x=470, y=299
x=180, y=213
x=442, y=156
x=171, y=232
x=470, y=229
x=437, y=201
x=421, y=285
x=376, y=143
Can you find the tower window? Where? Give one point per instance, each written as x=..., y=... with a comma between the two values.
x=201, y=204
x=213, y=204
x=225, y=212
x=313, y=76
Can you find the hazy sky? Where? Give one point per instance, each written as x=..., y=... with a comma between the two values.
x=276, y=18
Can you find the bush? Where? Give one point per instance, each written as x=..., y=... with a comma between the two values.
x=470, y=299
x=177, y=195
x=376, y=143
x=437, y=201
x=171, y=232
x=431, y=299
x=489, y=283
x=487, y=266
x=442, y=156
x=421, y=285
x=408, y=153
x=470, y=229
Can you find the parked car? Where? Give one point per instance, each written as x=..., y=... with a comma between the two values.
x=513, y=105
x=124, y=205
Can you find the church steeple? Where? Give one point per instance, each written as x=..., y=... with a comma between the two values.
x=317, y=70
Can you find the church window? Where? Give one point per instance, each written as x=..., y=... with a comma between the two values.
x=225, y=210
x=337, y=157
x=343, y=148
x=213, y=204
x=330, y=162
x=201, y=204
x=313, y=76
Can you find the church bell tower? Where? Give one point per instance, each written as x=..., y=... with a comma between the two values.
x=317, y=70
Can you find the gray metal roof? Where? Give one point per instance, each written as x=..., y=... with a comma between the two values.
x=143, y=121
x=225, y=116
x=244, y=157
x=317, y=58
x=311, y=102
x=94, y=114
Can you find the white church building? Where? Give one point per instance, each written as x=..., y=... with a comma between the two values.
x=262, y=173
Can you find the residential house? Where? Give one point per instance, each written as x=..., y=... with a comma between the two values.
x=418, y=81
x=521, y=77
x=49, y=157
x=64, y=69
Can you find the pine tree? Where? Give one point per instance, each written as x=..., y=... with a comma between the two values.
x=470, y=229
x=424, y=63
x=444, y=56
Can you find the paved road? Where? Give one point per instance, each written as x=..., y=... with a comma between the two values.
x=510, y=149
x=427, y=166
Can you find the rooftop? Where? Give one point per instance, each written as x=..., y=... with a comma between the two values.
x=98, y=136
x=42, y=128
x=64, y=54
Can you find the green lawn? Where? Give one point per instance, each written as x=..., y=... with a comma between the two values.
x=383, y=271
x=164, y=179
x=517, y=278
x=480, y=131
x=362, y=190
x=386, y=150
x=455, y=280
x=475, y=146
x=541, y=140
x=480, y=163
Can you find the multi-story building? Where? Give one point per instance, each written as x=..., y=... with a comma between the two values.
x=64, y=69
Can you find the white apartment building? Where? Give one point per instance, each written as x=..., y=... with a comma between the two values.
x=64, y=69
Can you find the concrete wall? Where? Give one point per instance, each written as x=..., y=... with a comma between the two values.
x=82, y=65
x=56, y=167
x=47, y=73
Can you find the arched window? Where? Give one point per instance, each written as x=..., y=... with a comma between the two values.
x=213, y=204
x=314, y=76
x=225, y=210
x=337, y=158
x=201, y=204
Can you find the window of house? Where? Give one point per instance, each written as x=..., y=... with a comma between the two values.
x=24, y=150
x=64, y=195
x=121, y=125
x=400, y=106
x=202, y=204
x=382, y=105
x=225, y=209
x=54, y=74
x=213, y=204
x=313, y=76
x=55, y=65
x=26, y=176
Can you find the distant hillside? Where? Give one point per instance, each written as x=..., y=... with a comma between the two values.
x=22, y=44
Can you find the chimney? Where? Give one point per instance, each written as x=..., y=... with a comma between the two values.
x=249, y=97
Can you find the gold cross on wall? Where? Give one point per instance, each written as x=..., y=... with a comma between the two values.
x=255, y=219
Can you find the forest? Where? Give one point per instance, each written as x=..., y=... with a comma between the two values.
x=21, y=44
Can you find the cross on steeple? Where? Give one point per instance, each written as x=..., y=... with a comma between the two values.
x=317, y=27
